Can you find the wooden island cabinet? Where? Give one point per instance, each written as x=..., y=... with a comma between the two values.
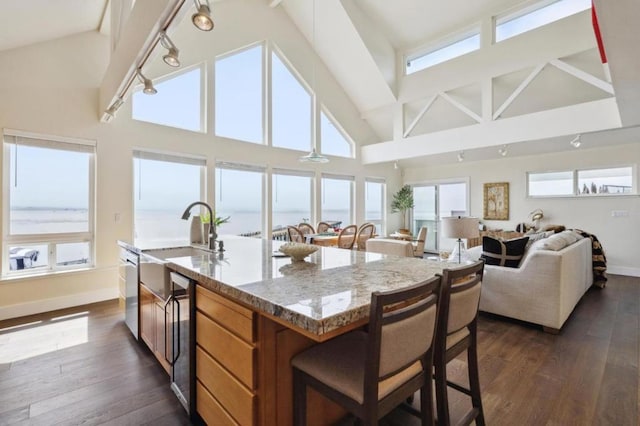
x=255, y=311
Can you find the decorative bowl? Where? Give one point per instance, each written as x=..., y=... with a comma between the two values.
x=298, y=251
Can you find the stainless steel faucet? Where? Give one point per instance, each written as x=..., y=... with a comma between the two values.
x=212, y=229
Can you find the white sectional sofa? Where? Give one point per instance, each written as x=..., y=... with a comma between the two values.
x=544, y=289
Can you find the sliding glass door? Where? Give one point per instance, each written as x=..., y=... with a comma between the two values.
x=433, y=202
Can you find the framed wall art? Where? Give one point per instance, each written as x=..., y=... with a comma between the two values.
x=496, y=201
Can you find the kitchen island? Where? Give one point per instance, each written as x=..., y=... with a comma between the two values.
x=256, y=310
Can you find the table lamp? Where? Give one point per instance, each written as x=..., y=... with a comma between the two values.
x=459, y=227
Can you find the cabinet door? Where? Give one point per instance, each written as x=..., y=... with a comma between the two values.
x=147, y=317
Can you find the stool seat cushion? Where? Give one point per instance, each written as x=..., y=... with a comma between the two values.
x=457, y=336
x=338, y=364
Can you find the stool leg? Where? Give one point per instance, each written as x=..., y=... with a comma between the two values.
x=299, y=399
x=426, y=402
x=442, y=400
x=474, y=378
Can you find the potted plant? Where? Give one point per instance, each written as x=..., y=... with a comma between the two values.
x=402, y=202
x=206, y=223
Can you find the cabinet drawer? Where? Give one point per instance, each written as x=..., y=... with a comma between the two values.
x=234, y=354
x=232, y=316
x=210, y=410
x=227, y=390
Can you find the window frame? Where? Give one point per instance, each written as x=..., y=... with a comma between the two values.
x=314, y=123
x=352, y=204
x=225, y=165
x=299, y=173
x=53, y=239
x=442, y=44
x=265, y=92
x=339, y=128
x=381, y=224
x=512, y=15
x=575, y=183
x=203, y=96
x=141, y=153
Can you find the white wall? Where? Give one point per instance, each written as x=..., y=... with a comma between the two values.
x=52, y=88
x=618, y=235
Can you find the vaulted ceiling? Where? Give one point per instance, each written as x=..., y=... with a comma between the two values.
x=533, y=93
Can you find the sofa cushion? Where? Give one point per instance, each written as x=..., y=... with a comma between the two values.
x=559, y=241
x=503, y=253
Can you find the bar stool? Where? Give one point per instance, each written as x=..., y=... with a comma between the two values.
x=457, y=332
x=370, y=373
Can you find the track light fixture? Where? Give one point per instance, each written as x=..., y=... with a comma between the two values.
x=110, y=113
x=461, y=156
x=148, y=84
x=395, y=165
x=503, y=151
x=576, y=142
x=171, y=58
x=202, y=18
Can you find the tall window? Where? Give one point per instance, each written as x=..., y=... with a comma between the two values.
x=291, y=198
x=239, y=192
x=537, y=15
x=291, y=107
x=48, y=202
x=374, y=201
x=333, y=140
x=164, y=185
x=238, y=95
x=337, y=199
x=177, y=104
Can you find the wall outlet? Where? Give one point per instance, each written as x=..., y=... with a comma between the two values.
x=619, y=213
x=117, y=217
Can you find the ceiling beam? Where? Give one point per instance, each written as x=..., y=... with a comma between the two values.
x=274, y=3
x=582, y=75
x=581, y=118
x=138, y=36
x=518, y=90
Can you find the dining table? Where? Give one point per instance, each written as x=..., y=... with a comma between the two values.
x=323, y=239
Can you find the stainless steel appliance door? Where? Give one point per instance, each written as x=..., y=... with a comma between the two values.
x=129, y=262
x=182, y=371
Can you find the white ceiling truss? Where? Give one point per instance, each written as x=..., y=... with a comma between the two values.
x=417, y=112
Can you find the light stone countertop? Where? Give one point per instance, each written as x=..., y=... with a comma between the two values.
x=332, y=288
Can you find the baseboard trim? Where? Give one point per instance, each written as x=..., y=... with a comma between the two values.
x=623, y=270
x=62, y=302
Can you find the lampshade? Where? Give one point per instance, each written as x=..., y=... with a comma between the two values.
x=460, y=227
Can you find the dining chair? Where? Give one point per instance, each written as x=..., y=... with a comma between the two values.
x=347, y=237
x=364, y=371
x=323, y=227
x=365, y=232
x=305, y=228
x=295, y=235
x=457, y=332
x=418, y=243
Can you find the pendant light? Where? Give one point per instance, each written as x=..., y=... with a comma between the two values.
x=313, y=156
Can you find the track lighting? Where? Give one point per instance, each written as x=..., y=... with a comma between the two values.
x=461, y=156
x=202, y=18
x=171, y=58
x=148, y=84
x=395, y=165
x=503, y=151
x=110, y=113
x=576, y=142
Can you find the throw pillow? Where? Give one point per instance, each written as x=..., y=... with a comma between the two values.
x=503, y=253
x=537, y=236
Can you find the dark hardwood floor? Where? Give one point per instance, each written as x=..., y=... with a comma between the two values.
x=82, y=366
